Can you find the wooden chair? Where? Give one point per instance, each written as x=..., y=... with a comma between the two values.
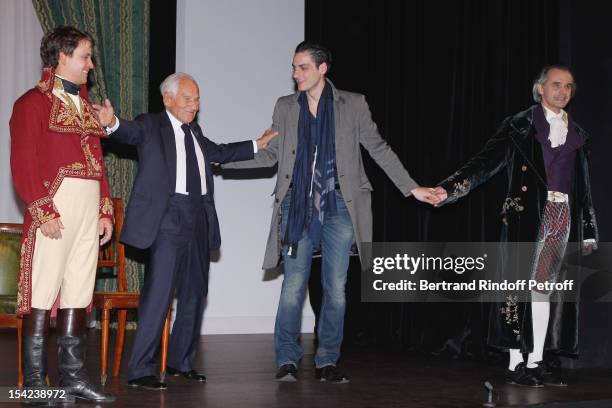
x=10, y=239
x=112, y=255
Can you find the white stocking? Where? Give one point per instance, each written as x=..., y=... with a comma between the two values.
x=540, y=313
x=515, y=357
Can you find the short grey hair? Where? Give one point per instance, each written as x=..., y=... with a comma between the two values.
x=170, y=84
x=543, y=78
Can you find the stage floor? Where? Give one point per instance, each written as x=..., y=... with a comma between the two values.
x=240, y=371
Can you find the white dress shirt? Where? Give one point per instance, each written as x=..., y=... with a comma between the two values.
x=181, y=157
x=558, y=127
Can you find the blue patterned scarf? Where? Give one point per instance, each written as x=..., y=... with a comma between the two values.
x=314, y=173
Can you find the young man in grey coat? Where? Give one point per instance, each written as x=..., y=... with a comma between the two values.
x=322, y=202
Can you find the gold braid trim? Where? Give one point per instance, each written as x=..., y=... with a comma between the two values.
x=42, y=210
x=510, y=312
x=65, y=119
x=24, y=292
x=106, y=206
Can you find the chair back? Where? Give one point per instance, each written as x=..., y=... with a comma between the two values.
x=112, y=255
x=10, y=243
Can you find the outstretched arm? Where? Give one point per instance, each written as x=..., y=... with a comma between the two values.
x=267, y=157
x=480, y=168
x=381, y=152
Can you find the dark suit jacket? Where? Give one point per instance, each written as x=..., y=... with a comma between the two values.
x=155, y=182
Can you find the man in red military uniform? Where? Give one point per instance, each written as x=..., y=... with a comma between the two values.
x=59, y=172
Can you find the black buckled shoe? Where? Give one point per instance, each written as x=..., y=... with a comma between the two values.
x=548, y=372
x=286, y=373
x=190, y=375
x=71, y=357
x=330, y=373
x=522, y=376
x=148, y=382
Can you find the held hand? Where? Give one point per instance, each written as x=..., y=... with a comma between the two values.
x=426, y=195
x=105, y=229
x=587, y=249
x=52, y=229
x=105, y=114
x=263, y=141
x=441, y=193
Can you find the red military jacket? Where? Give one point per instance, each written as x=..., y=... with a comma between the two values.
x=50, y=140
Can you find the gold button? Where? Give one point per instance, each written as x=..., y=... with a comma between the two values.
x=524, y=188
x=524, y=168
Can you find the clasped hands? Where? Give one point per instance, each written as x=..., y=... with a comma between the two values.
x=433, y=196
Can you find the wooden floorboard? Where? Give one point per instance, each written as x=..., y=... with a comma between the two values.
x=240, y=371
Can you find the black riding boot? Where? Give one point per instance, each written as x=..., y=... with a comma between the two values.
x=72, y=346
x=34, y=342
x=34, y=348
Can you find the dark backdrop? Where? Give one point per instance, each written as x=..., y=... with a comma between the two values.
x=162, y=49
x=439, y=78
x=586, y=43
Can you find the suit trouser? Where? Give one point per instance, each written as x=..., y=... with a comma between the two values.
x=179, y=262
x=68, y=265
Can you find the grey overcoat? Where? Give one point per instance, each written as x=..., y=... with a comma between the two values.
x=354, y=126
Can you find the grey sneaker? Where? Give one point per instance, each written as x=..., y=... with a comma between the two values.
x=287, y=373
x=331, y=374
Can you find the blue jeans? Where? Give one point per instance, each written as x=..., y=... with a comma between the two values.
x=335, y=246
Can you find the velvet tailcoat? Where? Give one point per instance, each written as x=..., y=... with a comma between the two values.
x=515, y=149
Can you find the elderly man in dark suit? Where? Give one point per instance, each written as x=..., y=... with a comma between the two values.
x=172, y=211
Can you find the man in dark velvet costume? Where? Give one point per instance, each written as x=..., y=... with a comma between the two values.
x=548, y=202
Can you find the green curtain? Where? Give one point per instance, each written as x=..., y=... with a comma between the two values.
x=120, y=29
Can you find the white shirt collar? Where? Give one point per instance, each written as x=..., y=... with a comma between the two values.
x=175, y=122
x=76, y=99
x=550, y=115
x=558, y=127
